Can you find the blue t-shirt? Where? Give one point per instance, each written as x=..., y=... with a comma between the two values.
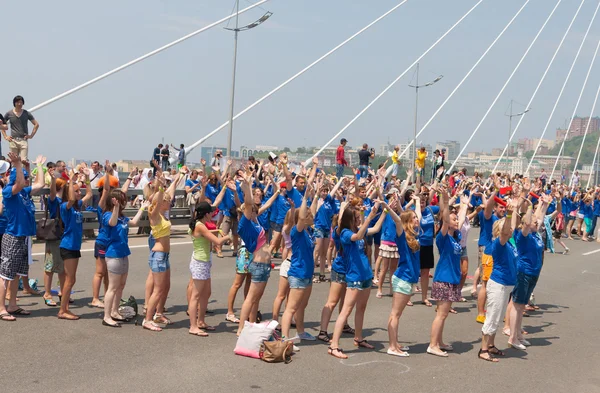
x=597, y=208
x=566, y=206
x=282, y=208
x=428, y=225
x=505, y=262
x=476, y=200
x=53, y=206
x=19, y=211
x=191, y=183
x=325, y=214
x=388, y=229
x=448, y=268
x=297, y=196
x=339, y=264
x=358, y=264
x=102, y=238
x=249, y=231
x=73, y=220
x=303, y=263
x=551, y=207
x=485, y=229
x=586, y=209
x=3, y=223
x=228, y=203
x=409, y=264
x=530, y=248
x=117, y=236
x=212, y=191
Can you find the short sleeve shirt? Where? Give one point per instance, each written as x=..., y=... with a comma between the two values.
x=363, y=157
x=18, y=124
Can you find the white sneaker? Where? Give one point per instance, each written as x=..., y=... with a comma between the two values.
x=525, y=342
x=518, y=346
x=307, y=337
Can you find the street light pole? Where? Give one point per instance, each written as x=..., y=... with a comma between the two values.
x=510, y=116
x=231, y=106
x=417, y=87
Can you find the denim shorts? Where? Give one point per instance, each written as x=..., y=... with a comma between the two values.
x=524, y=288
x=401, y=286
x=260, y=272
x=463, y=252
x=99, y=250
x=159, y=261
x=299, y=283
x=276, y=227
x=360, y=285
x=151, y=242
x=340, y=278
x=322, y=233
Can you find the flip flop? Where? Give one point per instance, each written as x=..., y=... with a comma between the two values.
x=19, y=311
x=199, y=334
x=7, y=317
x=232, y=318
x=68, y=317
x=116, y=325
x=208, y=328
x=96, y=305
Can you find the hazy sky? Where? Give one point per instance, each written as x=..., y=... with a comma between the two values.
x=183, y=93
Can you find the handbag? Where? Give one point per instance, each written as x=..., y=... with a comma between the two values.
x=276, y=351
x=49, y=228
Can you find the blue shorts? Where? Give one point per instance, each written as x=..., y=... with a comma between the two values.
x=463, y=253
x=151, y=242
x=99, y=250
x=322, y=233
x=159, y=261
x=360, y=285
x=276, y=227
x=260, y=272
x=374, y=238
x=340, y=278
x=299, y=283
x=524, y=288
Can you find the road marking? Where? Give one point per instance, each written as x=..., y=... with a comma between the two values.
x=402, y=365
x=588, y=272
x=37, y=254
x=591, y=252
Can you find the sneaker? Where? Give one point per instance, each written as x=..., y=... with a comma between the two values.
x=307, y=337
x=480, y=319
x=567, y=251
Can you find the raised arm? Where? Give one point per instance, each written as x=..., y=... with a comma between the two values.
x=527, y=219
x=114, y=217
x=20, y=180
x=39, y=180
x=489, y=205
x=462, y=212
x=105, y=188
x=509, y=221
x=201, y=230
x=445, y=211
x=303, y=213
x=364, y=227
x=390, y=209
x=128, y=181
x=271, y=200
x=219, y=197
x=72, y=200
x=136, y=219
x=313, y=170
x=248, y=202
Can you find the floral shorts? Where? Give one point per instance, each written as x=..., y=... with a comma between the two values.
x=445, y=292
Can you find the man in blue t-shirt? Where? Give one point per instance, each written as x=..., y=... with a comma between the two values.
x=20, y=214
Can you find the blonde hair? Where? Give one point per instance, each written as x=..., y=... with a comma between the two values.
x=497, y=228
x=411, y=234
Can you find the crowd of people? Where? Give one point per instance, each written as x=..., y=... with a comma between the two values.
x=364, y=229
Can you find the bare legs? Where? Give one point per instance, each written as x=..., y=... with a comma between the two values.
x=237, y=283
x=101, y=275
x=282, y=293
x=197, y=306
x=398, y=304
x=437, y=329
x=70, y=278
x=251, y=304
x=425, y=286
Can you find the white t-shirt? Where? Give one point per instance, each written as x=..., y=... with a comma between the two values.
x=464, y=232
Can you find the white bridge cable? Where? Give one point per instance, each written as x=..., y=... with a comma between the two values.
x=144, y=57
x=587, y=127
x=394, y=82
x=539, y=84
x=203, y=139
x=505, y=85
x=562, y=146
x=562, y=90
x=464, y=78
x=597, y=144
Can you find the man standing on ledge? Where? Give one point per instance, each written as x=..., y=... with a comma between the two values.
x=19, y=128
x=363, y=160
x=341, y=159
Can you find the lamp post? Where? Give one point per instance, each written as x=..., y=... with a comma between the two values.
x=416, y=86
x=510, y=116
x=236, y=30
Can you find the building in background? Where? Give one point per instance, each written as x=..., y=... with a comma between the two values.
x=579, y=125
x=208, y=152
x=452, y=149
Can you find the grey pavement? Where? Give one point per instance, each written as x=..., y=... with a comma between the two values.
x=43, y=353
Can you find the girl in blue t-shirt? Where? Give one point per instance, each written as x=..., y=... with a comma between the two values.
x=446, y=281
x=501, y=282
x=70, y=244
x=326, y=208
x=301, y=268
x=359, y=276
x=429, y=214
x=116, y=227
x=407, y=273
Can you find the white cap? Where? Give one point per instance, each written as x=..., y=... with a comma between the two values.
x=4, y=166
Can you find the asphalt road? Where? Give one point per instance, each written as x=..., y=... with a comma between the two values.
x=43, y=353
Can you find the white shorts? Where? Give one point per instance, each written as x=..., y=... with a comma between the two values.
x=285, y=266
x=200, y=270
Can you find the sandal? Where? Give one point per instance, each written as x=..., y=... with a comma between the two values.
x=495, y=351
x=19, y=311
x=161, y=319
x=207, y=328
x=427, y=303
x=363, y=344
x=452, y=311
x=7, y=317
x=199, y=334
x=116, y=325
x=348, y=329
x=68, y=316
x=151, y=325
x=232, y=318
x=490, y=358
x=323, y=336
x=49, y=302
x=32, y=292
x=379, y=295
x=410, y=304
x=340, y=352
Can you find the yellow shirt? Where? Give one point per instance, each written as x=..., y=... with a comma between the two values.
x=420, y=161
x=395, y=157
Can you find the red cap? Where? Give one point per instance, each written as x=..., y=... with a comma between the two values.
x=500, y=201
x=283, y=185
x=534, y=195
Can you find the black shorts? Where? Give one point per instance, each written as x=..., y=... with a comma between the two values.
x=15, y=257
x=69, y=254
x=426, y=254
x=99, y=251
